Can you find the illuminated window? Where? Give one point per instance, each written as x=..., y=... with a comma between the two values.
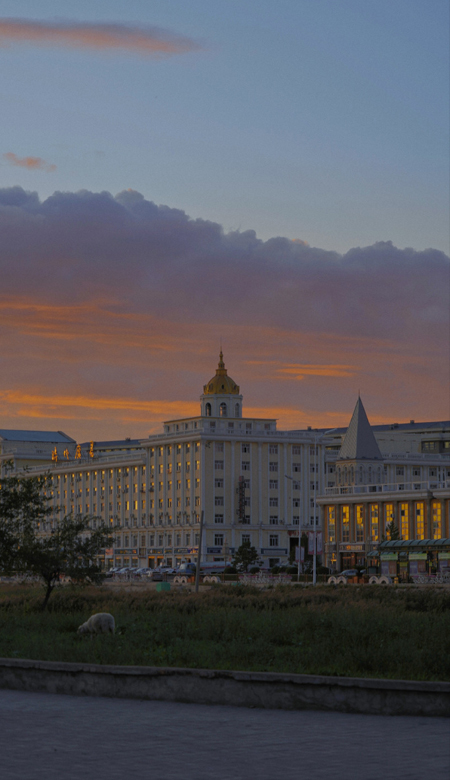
x=331, y=512
x=223, y=412
x=404, y=521
x=345, y=523
x=374, y=522
x=420, y=521
x=388, y=514
x=436, y=514
x=360, y=523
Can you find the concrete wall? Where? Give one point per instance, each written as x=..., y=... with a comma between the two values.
x=241, y=689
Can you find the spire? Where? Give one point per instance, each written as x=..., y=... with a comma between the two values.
x=221, y=366
x=359, y=442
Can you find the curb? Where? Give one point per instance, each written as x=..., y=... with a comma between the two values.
x=238, y=689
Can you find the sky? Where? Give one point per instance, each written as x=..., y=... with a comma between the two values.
x=269, y=177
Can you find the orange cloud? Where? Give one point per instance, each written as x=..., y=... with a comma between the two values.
x=31, y=163
x=149, y=41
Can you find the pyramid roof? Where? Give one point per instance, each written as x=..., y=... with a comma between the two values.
x=359, y=442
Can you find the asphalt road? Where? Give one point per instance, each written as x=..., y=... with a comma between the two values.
x=51, y=737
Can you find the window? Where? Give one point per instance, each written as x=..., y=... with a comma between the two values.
x=218, y=519
x=236, y=410
x=187, y=467
x=404, y=521
x=208, y=410
x=178, y=450
x=430, y=446
x=197, y=484
x=230, y=426
x=416, y=472
x=218, y=483
x=296, y=502
x=273, y=449
x=273, y=520
x=178, y=484
x=273, y=484
x=218, y=540
x=345, y=523
x=161, y=487
x=296, y=467
x=187, y=447
x=187, y=539
x=273, y=466
x=169, y=502
x=400, y=471
x=169, y=540
x=313, y=485
x=169, y=485
x=432, y=472
x=374, y=522
x=245, y=539
x=245, y=465
x=178, y=540
x=247, y=484
x=296, y=449
x=218, y=501
x=197, y=500
x=360, y=523
x=313, y=468
x=420, y=521
x=187, y=501
x=273, y=501
x=245, y=447
x=436, y=519
x=197, y=465
x=219, y=446
x=188, y=484
x=218, y=465
x=161, y=468
x=160, y=540
x=223, y=411
x=331, y=517
x=273, y=540
x=295, y=485
x=296, y=520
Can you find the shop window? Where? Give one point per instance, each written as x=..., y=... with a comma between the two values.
x=374, y=522
x=360, y=523
x=420, y=521
x=345, y=523
x=436, y=514
x=404, y=521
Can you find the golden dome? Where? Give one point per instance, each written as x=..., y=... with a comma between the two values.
x=221, y=383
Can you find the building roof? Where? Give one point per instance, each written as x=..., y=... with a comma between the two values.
x=221, y=383
x=52, y=437
x=359, y=442
x=115, y=444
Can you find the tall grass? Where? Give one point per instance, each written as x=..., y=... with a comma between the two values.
x=350, y=631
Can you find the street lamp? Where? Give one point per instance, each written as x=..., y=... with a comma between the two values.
x=317, y=437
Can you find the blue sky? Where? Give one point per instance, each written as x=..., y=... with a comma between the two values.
x=312, y=119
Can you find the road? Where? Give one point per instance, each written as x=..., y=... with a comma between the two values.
x=49, y=737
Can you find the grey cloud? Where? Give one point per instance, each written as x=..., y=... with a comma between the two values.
x=80, y=246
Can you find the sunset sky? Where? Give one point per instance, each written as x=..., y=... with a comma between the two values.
x=269, y=176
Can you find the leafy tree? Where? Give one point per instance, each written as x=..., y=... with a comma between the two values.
x=69, y=547
x=245, y=556
x=392, y=532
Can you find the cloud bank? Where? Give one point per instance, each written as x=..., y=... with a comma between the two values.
x=31, y=163
x=147, y=41
x=127, y=300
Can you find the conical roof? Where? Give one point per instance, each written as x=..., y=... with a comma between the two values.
x=359, y=442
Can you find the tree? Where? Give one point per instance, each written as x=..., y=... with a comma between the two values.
x=245, y=556
x=68, y=547
x=392, y=532
x=71, y=549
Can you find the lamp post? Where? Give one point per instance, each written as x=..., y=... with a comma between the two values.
x=317, y=437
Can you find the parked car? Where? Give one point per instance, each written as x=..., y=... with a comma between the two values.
x=352, y=573
x=155, y=576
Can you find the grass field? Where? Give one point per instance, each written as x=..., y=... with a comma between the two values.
x=401, y=633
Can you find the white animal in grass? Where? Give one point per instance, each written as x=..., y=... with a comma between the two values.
x=101, y=623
